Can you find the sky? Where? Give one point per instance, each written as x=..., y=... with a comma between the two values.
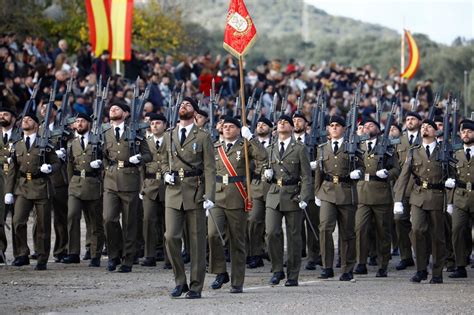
x=441, y=20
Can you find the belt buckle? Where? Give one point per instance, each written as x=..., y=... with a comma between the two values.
x=469, y=186
x=225, y=179
x=158, y=175
x=121, y=164
x=424, y=184
x=29, y=176
x=335, y=179
x=181, y=174
x=367, y=177
x=83, y=173
x=280, y=182
x=5, y=167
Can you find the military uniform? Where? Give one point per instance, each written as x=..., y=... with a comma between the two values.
x=153, y=192
x=122, y=184
x=193, y=166
x=5, y=149
x=84, y=194
x=375, y=203
x=463, y=202
x=291, y=184
x=33, y=189
x=402, y=222
x=338, y=196
x=426, y=201
x=256, y=218
x=229, y=209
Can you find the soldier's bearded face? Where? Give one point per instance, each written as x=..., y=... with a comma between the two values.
x=262, y=129
x=5, y=119
x=394, y=132
x=428, y=131
x=82, y=126
x=371, y=129
x=28, y=124
x=116, y=113
x=300, y=125
x=412, y=123
x=186, y=111
x=467, y=136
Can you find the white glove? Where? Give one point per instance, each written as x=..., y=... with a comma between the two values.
x=169, y=179
x=302, y=205
x=135, y=159
x=398, y=208
x=46, y=168
x=61, y=153
x=317, y=201
x=450, y=183
x=246, y=133
x=208, y=204
x=9, y=160
x=313, y=165
x=96, y=164
x=140, y=196
x=9, y=199
x=449, y=209
x=355, y=174
x=383, y=173
x=268, y=173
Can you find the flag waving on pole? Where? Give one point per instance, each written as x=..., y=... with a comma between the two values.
x=414, y=61
x=240, y=32
x=98, y=12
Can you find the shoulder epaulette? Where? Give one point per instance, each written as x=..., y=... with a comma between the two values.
x=323, y=144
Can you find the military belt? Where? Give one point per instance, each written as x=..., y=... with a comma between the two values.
x=337, y=179
x=426, y=185
x=468, y=186
x=30, y=176
x=375, y=178
x=122, y=164
x=182, y=173
x=84, y=173
x=156, y=175
x=229, y=179
x=286, y=182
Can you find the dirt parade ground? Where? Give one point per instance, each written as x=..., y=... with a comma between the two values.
x=80, y=289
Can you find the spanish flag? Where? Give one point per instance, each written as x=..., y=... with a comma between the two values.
x=414, y=62
x=110, y=26
x=240, y=32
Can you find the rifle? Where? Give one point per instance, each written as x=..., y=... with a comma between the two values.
x=431, y=112
x=44, y=143
x=314, y=136
x=351, y=146
x=212, y=102
x=456, y=141
x=134, y=134
x=299, y=107
x=383, y=147
x=378, y=108
x=273, y=113
x=414, y=106
x=253, y=125
x=63, y=123
x=95, y=136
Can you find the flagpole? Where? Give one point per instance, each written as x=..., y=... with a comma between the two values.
x=117, y=66
x=402, y=54
x=244, y=123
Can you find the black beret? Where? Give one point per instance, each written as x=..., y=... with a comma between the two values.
x=203, y=113
x=397, y=126
x=266, y=121
x=33, y=116
x=192, y=101
x=300, y=115
x=337, y=119
x=370, y=120
x=124, y=106
x=84, y=116
x=222, y=117
x=232, y=120
x=431, y=123
x=155, y=116
x=438, y=119
x=413, y=114
x=466, y=124
x=8, y=110
x=288, y=119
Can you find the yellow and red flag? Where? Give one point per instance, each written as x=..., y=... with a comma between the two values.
x=98, y=12
x=414, y=62
x=121, y=17
x=240, y=32
x=110, y=27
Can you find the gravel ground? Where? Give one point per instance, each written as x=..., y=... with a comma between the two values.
x=79, y=289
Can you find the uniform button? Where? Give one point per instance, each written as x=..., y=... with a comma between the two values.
x=118, y=152
x=27, y=154
x=83, y=162
x=83, y=154
x=468, y=174
x=429, y=161
x=368, y=165
x=428, y=169
x=118, y=143
x=182, y=149
x=335, y=165
x=335, y=157
x=281, y=170
x=27, y=162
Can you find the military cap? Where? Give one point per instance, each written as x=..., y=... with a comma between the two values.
x=337, y=119
x=431, y=123
x=288, y=119
x=266, y=121
x=414, y=114
x=300, y=115
x=233, y=120
x=192, y=101
x=84, y=116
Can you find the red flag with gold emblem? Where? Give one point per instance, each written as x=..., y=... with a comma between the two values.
x=240, y=32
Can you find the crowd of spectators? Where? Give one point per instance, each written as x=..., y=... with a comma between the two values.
x=24, y=61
